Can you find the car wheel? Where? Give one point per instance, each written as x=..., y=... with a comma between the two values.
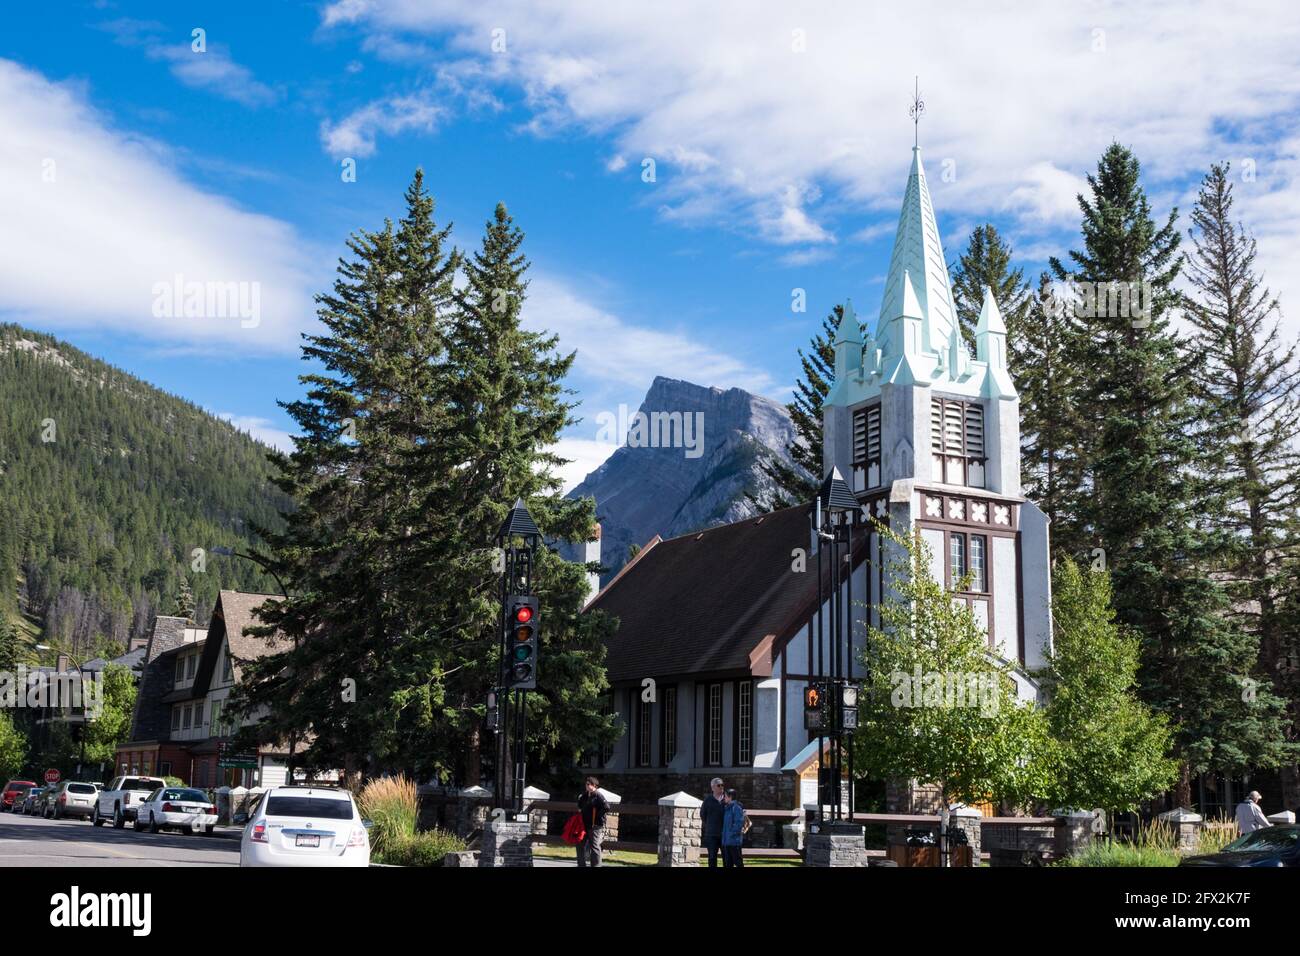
x=58, y=812
x=207, y=831
x=153, y=823
x=95, y=818
x=119, y=821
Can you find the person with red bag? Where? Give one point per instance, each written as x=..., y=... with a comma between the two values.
x=574, y=832
x=592, y=811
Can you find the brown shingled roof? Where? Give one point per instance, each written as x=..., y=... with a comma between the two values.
x=705, y=602
x=235, y=611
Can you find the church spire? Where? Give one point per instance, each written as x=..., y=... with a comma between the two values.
x=918, y=254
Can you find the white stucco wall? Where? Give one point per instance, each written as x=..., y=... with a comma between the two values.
x=1006, y=621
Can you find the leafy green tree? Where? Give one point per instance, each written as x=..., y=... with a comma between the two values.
x=936, y=705
x=113, y=725
x=1113, y=752
x=13, y=747
x=987, y=262
x=1147, y=485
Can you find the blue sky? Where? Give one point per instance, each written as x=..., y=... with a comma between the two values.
x=779, y=134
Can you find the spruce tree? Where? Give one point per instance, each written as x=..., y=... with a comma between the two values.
x=1048, y=383
x=185, y=600
x=987, y=262
x=798, y=483
x=343, y=670
x=1247, y=388
x=1147, y=491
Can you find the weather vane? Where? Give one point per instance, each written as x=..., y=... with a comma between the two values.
x=918, y=107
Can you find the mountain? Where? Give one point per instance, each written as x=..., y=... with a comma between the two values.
x=712, y=477
x=107, y=487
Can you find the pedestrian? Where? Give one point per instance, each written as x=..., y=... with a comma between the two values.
x=733, y=830
x=1249, y=816
x=594, y=807
x=711, y=813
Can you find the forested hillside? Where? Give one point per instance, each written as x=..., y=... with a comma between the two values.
x=107, y=487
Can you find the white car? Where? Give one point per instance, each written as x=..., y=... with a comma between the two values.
x=179, y=807
x=305, y=826
x=71, y=799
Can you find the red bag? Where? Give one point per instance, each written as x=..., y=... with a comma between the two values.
x=574, y=832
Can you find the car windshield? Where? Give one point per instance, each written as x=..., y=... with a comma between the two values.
x=1269, y=838
x=325, y=807
x=177, y=793
x=80, y=788
x=139, y=783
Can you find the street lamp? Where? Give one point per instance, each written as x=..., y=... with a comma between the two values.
x=81, y=753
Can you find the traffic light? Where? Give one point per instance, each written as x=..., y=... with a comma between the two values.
x=849, y=707
x=814, y=706
x=522, y=643
x=493, y=714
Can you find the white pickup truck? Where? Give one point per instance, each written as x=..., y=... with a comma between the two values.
x=118, y=802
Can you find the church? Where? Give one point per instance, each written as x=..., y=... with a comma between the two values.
x=716, y=639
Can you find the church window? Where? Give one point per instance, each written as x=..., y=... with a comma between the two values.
x=668, y=732
x=957, y=557
x=644, y=715
x=715, y=725
x=745, y=722
x=866, y=448
x=957, y=441
x=978, y=543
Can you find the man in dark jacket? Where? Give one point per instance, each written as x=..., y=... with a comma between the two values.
x=594, y=808
x=711, y=821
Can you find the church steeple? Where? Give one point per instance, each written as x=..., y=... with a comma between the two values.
x=918, y=254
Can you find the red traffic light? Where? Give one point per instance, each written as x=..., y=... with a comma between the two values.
x=523, y=614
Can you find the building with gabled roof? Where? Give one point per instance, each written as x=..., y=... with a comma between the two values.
x=715, y=644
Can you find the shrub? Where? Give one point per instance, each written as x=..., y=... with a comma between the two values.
x=1215, y=836
x=391, y=804
x=1109, y=853
x=422, y=849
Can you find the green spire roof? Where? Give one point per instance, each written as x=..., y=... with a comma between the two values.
x=918, y=255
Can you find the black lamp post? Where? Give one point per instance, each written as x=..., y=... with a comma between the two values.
x=835, y=513
x=517, y=540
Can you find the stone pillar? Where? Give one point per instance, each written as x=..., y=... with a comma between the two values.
x=1282, y=818
x=966, y=819
x=1074, y=829
x=611, y=820
x=835, y=844
x=471, y=812
x=679, y=830
x=538, y=817
x=506, y=843
x=1187, y=826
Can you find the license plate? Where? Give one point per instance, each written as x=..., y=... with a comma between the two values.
x=304, y=840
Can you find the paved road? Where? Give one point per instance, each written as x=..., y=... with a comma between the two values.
x=31, y=841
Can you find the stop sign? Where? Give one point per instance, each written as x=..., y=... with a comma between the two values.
x=52, y=776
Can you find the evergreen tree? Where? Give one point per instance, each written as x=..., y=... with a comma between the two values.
x=342, y=671
x=799, y=483
x=185, y=600
x=13, y=649
x=1146, y=488
x=1048, y=383
x=1248, y=392
x=987, y=262
x=1113, y=751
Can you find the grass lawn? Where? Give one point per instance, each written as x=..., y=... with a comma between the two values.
x=634, y=858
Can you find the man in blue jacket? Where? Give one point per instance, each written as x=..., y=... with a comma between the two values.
x=711, y=813
x=733, y=830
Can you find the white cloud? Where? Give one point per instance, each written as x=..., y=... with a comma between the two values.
x=261, y=429
x=1022, y=103
x=95, y=218
x=212, y=69
x=354, y=135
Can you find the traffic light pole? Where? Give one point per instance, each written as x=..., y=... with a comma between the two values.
x=510, y=720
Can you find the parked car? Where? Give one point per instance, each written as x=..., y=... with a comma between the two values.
x=123, y=795
x=28, y=800
x=70, y=799
x=181, y=807
x=305, y=826
x=12, y=789
x=1271, y=846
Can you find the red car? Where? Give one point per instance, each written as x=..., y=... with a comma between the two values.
x=14, y=790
